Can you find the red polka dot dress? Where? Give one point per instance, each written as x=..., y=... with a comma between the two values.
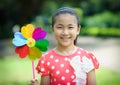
x=67, y=70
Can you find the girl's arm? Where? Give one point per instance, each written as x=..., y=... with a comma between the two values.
x=45, y=80
x=91, y=78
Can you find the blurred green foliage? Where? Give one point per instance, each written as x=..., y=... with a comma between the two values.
x=104, y=24
x=92, y=13
x=103, y=32
x=105, y=19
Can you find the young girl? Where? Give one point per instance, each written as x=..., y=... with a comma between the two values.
x=66, y=64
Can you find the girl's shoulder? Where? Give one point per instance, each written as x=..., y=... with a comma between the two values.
x=87, y=55
x=82, y=51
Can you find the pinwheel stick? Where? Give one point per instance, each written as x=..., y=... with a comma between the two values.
x=33, y=70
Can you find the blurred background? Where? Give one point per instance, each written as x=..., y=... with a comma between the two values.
x=100, y=33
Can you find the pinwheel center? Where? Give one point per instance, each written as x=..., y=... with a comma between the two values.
x=30, y=42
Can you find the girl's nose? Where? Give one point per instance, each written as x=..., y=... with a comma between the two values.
x=65, y=31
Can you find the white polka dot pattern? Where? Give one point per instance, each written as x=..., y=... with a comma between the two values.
x=59, y=67
x=63, y=78
x=57, y=72
x=68, y=83
x=53, y=67
x=42, y=69
x=42, y=62
x=56, y=60
x=51, y=56
x=67, y=70
x=48, y=63
x=79, y=52
x=72, y=76
x=66, y=59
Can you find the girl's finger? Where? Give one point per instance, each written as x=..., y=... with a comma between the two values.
x=33, y=82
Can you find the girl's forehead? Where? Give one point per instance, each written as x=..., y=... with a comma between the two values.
x=65, y=17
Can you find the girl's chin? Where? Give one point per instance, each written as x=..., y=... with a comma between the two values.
x=65, y=44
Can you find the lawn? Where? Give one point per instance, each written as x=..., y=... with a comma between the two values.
x=16, y=71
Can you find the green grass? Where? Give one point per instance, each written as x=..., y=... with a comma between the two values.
x=107, y=77
x=16, y=71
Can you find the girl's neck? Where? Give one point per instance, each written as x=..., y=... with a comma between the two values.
x=65, y=50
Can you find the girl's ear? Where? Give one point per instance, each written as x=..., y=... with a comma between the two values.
x=78, y=30
x=52, y=29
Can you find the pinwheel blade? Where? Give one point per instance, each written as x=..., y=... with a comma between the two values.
x=42, y=44
x=18, y=39
x=39, y=34
x=34, y=53
x=22, y=51
x=27, y=30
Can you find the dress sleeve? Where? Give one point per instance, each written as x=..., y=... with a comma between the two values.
x=89, y=62
x=42, y=67
x=94, y=60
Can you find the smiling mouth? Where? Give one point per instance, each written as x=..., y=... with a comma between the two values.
x=65, y=38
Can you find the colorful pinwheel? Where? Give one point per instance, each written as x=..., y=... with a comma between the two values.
x=30, y=42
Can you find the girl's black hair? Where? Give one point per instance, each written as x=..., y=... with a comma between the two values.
x=69, y=11
x=63, y=11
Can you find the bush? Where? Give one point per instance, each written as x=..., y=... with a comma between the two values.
x=103, y=20
x=95, y=31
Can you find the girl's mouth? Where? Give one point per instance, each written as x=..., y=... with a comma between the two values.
x=65, y=38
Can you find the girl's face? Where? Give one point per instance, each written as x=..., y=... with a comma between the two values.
x=65, y=29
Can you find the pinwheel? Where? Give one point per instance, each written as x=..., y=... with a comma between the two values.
x=30, y=42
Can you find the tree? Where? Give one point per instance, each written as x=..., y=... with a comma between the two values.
x=17, y=12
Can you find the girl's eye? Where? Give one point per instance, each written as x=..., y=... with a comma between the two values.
x=59, y=27
x=71, y=27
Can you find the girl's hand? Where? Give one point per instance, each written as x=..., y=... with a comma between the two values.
x=34, y=82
